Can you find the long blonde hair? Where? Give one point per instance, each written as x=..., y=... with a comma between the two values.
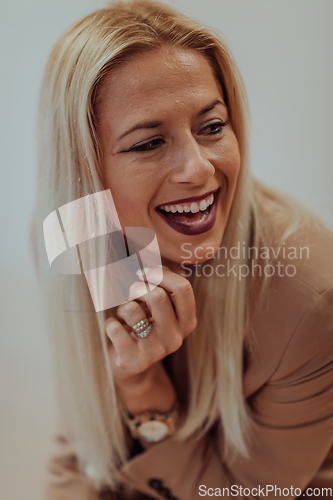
x=91, y=414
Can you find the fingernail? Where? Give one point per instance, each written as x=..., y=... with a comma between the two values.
x=164, y=267
x=139, y=272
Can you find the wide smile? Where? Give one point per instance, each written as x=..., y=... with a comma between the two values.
x=191, y=216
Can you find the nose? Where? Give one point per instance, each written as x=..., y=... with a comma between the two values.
x=190, y=163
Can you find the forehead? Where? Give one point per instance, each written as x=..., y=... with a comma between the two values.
x=157, y=80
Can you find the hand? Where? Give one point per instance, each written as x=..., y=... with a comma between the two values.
x=136, y=363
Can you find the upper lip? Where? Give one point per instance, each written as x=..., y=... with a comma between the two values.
x=189, y=200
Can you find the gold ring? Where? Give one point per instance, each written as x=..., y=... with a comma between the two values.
x=142, y=328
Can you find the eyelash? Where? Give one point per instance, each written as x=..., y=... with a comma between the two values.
x=154, y=142
x=217, y=123
x=148, y=145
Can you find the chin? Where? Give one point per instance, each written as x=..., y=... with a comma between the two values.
x=193, y=253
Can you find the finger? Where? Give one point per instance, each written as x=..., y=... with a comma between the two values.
x=137, y=289
x=181, y=295
x=166, y=329
x=122, y=342
x=160, y=306
x=131, y=312
x=129, y=355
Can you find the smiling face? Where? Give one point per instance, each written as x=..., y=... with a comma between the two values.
x=169, y=154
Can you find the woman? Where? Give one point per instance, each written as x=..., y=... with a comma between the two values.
x=229, y=357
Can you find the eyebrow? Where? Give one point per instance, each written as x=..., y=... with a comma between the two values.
x=140, y=125
x=210, y=107
x=157, y=123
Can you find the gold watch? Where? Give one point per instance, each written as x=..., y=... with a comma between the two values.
x=153, y=427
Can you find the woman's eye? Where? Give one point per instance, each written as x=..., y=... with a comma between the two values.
x=149, y=145
x=213, y=128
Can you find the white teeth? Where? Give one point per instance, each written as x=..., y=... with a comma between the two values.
x=194, y=208
x=203, y=205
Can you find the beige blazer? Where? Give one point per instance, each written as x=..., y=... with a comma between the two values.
x=288, y=384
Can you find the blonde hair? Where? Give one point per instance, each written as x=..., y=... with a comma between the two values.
x=91, y=413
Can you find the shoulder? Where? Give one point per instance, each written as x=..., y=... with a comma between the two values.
x=300, y=240
x=294, y=323
x=303, y=269
x=313, y=256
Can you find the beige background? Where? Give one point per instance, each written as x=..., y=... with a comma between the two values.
x=284, y=50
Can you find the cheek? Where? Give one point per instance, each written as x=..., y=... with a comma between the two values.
x=133, y=185
x=130, y=197
x=229, y=159
x=120, y=192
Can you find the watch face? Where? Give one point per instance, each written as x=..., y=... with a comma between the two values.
x=153, y=430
